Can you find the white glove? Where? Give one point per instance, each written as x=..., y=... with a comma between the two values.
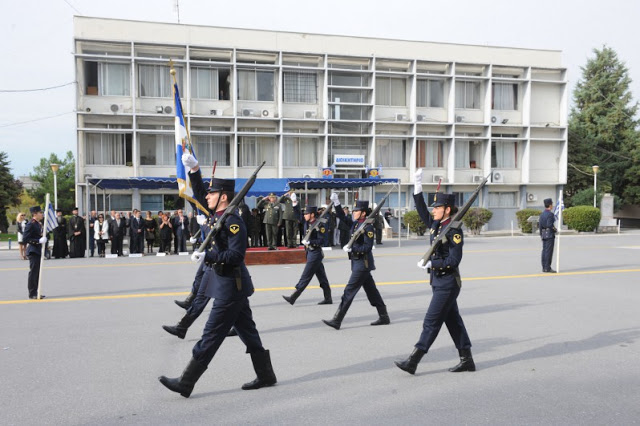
x=305, y=243
x=422, y=265
x=201, y=219
x=197, y=256
x=42, y=240
x=346, y=249
x=189, y=161
x=335, y=199
x=193, y=240
x=294, y=197
x=417, y=182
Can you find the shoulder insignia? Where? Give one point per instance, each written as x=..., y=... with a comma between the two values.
x=370, y=234
x=457, y=238
x=235, y=228
x=322, y=229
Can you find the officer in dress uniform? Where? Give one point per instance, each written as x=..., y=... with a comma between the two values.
x=35, y=239
x=445, y=283
x=548, y=235
x=272, y=219
x=229, y=284
x=361, y=266
x=290, y=218
x=314, y=264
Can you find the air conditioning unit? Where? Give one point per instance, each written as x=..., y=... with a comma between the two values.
x=421, y=117
x=168, y=110
x=246, y=112
x=116, y=108
x=438, y=178
x=532, y=197
x=496, y=119
x=265, y=112
x=401, y=117
x=459, y=119
x=477, y=178
x=497, y=177
x=310, y=114
x=216, y=112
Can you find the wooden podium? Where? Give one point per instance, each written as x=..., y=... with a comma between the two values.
x=264, y=256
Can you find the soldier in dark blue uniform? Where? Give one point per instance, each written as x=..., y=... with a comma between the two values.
x=314, y=264
x=361, y=266
x=548, y=235
x=35, y=239
x=230, y=285
x=445, y=283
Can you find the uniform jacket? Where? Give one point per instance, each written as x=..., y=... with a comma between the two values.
x=361, y=255
x=272, y=212
x=316, y=241
x=31, y=236
x=288, y=212
x=547, y=229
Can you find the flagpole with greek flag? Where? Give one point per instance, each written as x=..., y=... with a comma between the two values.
x=559, y=208
x=50, y=223
x=183, y=143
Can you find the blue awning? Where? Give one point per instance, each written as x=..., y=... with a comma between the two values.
x=314, y=183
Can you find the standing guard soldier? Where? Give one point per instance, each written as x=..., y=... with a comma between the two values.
x=548, y=235
x=445, y=283
x=314, y=264
x=229, y=284
x=35, y=239
x=272, y=218
x=361, y=266
x=290, y=200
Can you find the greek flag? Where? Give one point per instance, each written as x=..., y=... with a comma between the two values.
x=52, y=220
x=559, y=206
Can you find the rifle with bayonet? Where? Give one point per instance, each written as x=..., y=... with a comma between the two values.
x=321, y=219
x=233, y=205
x=456, y=222
x=370, y=218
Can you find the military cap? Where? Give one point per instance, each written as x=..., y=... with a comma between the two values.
x=272, y=195
x=548, y=202
x=361, y=206
x=218, y=184
x=444, y=200
x=35, y=209
x=311, y=209
x=75, y=208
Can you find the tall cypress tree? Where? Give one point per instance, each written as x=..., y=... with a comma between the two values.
x=10, y=190
x=603, y=130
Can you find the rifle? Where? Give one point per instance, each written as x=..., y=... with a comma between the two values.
x=321, y=219
x=233, y=205
x=456, y=222
x=370, y=218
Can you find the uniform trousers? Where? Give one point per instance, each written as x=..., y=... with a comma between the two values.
x=444, y=309
x=547, y=253
x=361, y=279
x=225, y=314
x=272, y=234
x=291, y=227
x=313, y=267
x=199, y=287
x=34, y=274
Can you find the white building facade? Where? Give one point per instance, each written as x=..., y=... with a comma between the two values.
x=298, y=101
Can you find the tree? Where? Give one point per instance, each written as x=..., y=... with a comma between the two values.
x=10, y=190
x=23, y=205
x=66, y=181
x=603, y=130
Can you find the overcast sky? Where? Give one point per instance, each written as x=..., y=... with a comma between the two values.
x=37, y=43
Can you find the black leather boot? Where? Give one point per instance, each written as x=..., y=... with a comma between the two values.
x=466, y=362
x=410, y=364
x=185, y=383
x=262, y=365
x=294, y=296
x=384, y=316
x=181, y=328
x=327, y=297
x=336, y=322
x=186, y=303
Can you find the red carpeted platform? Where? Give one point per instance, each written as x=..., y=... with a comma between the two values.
x=263, y=256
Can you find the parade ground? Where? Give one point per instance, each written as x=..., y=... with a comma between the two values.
x=549, y=348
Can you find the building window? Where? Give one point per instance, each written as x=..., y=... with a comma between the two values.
x=120, y=202
x=503, y=199
x=462, y=197
x=151, y=202
x=348, y=112
x=107, y=79
x=391, y=152
x=468, y=95
x=300, y=87
x=504, y=155
x=300, y=152
x=341, y=145
x=157, y=150
x=504, y=96
x=108, y=149
x=347, y=79
x=156, y=82
x=391, y=91
x=210, y=83
x=355, y=96
x=430, y=153
x=430, y=93
x=253, y=150
x=255, y=85
x=210, y=148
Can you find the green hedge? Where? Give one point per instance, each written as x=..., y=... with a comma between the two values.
x=523, y=215
x=581, y=218
x=476, y=218
x=415, y=224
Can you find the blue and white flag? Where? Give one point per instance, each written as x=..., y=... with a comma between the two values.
x=52, y=220
x=559, y=206
x=182, y=143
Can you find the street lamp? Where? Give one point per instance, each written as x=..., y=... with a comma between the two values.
x=595, y=181
x=54, y=168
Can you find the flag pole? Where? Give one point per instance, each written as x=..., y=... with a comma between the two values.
x=172, y=71
x=43, y=246
x=560, y=205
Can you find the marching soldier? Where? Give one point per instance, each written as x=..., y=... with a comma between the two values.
x=314, y=264
x=548, y=235
x=272, y=218
x=34, y=237
x=290, y=201
x=361, y=266
x=445, y=283
x=229, y=284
